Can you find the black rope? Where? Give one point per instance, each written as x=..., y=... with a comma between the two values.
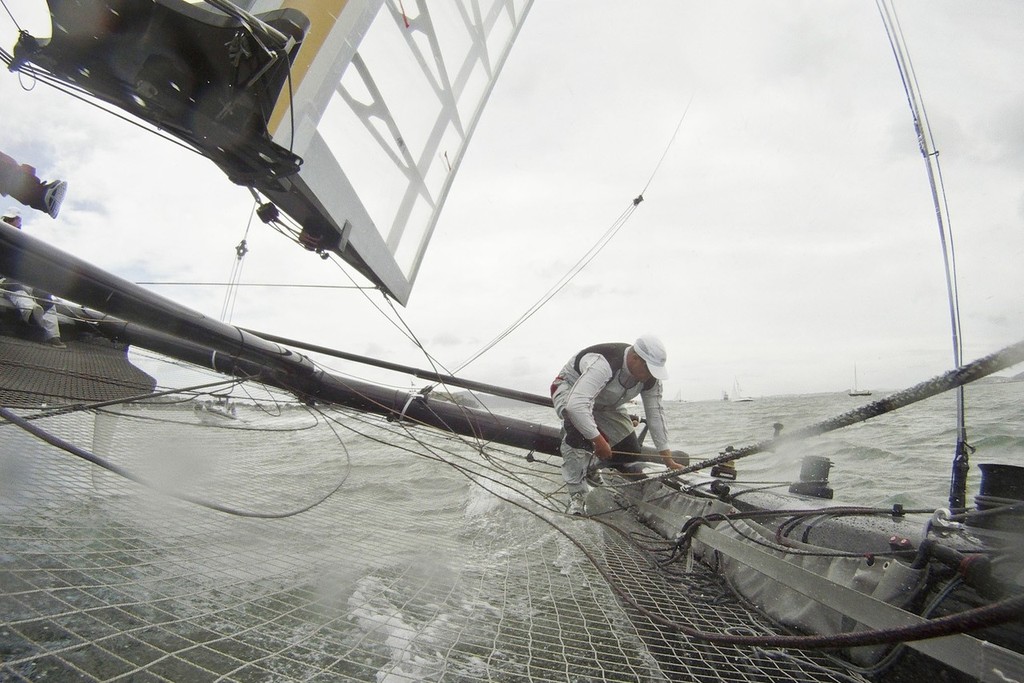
x=1002, y=612
x=130, y=399
x=1000, y=360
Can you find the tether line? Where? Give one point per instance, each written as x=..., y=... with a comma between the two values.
x=584, y=260
x=1000, y=360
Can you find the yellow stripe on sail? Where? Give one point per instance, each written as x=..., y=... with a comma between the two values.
x=322, y=15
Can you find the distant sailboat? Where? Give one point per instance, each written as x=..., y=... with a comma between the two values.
x=737, y=393
x=855, y=391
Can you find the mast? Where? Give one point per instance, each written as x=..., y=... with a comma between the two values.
x=150, y=321
x=926, y=143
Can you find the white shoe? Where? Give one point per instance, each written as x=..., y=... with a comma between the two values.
x=577, y=504
x=55, y=191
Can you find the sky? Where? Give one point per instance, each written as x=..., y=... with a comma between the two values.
x=787, y=231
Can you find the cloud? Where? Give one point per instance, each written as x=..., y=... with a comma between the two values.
x=787, y=231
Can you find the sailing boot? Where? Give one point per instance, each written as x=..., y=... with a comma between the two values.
x=577, y=504
x=54, y=197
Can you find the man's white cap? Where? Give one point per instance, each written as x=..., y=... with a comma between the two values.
x=652, y=351
x=12, y=217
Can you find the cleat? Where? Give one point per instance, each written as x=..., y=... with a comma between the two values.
x=55, y=191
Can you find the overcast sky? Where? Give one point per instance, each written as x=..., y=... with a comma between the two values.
x=788, y=234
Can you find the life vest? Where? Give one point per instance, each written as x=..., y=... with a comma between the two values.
x=613, y=352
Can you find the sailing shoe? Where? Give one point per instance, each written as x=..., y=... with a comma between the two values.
x=577, y=504
x=54, y=197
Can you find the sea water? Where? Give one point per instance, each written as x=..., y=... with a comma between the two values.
x=903, y=456
x=413, y=569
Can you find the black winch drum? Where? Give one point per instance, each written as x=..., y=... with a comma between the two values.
x=1001, y=485
x=815, y=468
x=1002, y=481
x=813, y=477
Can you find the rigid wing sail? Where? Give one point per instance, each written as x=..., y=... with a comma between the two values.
x=349, y=116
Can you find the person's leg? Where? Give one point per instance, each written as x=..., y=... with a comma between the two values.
x=575, y=465
x=617, y=426
x=37, y=311
x=575, y=449
x=20, y=182
x=24, y=302
x=47, y=319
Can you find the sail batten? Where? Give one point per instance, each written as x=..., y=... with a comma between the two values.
x=393, y=94
x=351, y=116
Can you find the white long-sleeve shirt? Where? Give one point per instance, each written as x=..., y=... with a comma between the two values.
x=597, y=387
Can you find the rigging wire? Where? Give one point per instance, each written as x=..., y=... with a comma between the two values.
x=84, y=96
x=436, y=364
x=671, y=142
x=926, y=143
x=584, y=260
x=125, y=473
x=982, y=367
x=227, y=310
x=281, y=285
x=11, y=15
x=140, y=397
x=290, y=230
x=573, y=271
x=401, y=325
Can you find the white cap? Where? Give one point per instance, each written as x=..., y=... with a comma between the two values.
x=652, y=351
x=12, y=217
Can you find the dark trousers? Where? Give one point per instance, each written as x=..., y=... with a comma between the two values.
x=20, y=182
x=624, y=452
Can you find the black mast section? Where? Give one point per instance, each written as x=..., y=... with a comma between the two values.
x=153, y=322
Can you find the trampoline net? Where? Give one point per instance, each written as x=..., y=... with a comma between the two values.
x=288, y=542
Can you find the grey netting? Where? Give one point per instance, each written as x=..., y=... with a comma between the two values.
x=433, y=559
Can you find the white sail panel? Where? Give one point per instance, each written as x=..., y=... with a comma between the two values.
x=384, y=99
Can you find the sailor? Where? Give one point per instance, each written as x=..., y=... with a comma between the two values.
x=590, y=394
x=20, y=182
x=34, y=305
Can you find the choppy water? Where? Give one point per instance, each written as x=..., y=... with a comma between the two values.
x=410, y=572
x=904, y=456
